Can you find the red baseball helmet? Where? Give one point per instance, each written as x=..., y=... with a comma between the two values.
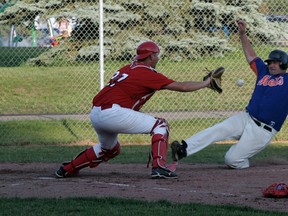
x=146, y=49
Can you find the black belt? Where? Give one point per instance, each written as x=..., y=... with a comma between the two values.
x=260, y=124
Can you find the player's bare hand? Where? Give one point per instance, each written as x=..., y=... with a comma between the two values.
x=241, y=26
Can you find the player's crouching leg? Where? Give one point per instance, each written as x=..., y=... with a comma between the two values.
x=160, y=135
x=87, y=158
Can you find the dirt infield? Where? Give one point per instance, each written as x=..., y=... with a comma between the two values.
x=197, y=183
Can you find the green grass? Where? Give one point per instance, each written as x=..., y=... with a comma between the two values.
x=27, y=132
x=129, y=154
x=36, y=90
x=119, y=207
x=66, y=131
x=47, y=132
x=112, y=206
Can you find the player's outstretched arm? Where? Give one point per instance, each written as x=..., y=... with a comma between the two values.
x=212, y=80
x=246, y=45
x=187, y=86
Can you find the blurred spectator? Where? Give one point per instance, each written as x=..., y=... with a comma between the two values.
x=57, y=39
x=64, y=25
x=46, y=28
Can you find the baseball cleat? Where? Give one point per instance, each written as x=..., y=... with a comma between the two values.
x=62, y=173
x=165, y=173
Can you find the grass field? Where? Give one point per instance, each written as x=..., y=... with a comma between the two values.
x=130, y=153
x=119, y=207
x=115, y=206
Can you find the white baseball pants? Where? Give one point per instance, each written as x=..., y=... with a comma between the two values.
x=251, y=139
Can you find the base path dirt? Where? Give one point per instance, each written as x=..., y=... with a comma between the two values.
x=197, y=183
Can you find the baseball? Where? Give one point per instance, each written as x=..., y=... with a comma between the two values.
x=240, y=82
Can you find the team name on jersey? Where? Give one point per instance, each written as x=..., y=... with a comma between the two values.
x=267, y=81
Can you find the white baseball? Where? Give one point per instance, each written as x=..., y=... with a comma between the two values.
x=240, y=82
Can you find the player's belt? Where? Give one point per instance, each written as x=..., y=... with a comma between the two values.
x=260, y=124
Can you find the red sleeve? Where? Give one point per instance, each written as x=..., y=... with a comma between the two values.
x=253, y=66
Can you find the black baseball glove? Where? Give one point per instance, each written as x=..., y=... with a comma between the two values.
x=178, y=150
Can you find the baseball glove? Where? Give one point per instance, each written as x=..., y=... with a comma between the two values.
x=178, y=150
x=215, y=79
x=276, y=190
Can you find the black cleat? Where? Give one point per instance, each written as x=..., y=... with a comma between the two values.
x=165, y=173
x=62, y=173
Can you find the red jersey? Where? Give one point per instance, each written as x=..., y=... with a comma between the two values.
x=131, y=86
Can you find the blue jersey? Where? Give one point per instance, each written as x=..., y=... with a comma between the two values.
x=269, y=101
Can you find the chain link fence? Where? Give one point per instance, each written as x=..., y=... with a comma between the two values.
x=50, y=67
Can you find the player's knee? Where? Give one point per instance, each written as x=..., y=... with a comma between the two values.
x=230, y=162
x=236, y=163
x=108, y=154
x=160, y=138
x=160, y=127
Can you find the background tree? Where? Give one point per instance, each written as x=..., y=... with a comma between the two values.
x=205, y=27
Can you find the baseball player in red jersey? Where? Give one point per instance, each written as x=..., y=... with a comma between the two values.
x=116, y=110
x=254, y=127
